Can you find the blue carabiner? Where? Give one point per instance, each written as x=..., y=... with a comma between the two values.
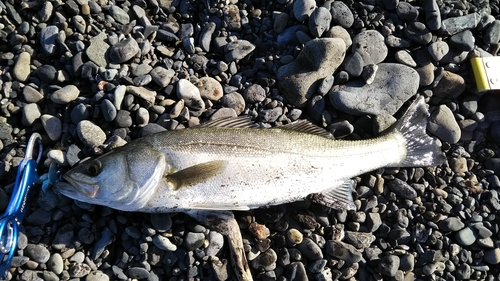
x=12, y=218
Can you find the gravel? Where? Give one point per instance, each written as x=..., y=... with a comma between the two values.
x=91, y=75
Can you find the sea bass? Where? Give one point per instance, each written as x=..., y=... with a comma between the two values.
x=228, y=165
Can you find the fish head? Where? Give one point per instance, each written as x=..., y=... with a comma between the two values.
x=123, y=179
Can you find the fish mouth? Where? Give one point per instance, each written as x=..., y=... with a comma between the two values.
x=88, y=189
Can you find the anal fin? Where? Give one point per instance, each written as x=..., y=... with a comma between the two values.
x=339, y=197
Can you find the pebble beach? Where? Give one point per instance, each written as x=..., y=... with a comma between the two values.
x=92, y=75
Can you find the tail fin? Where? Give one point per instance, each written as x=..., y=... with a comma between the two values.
x=421, y=149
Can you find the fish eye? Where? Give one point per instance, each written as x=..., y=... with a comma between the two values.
x=95, y=168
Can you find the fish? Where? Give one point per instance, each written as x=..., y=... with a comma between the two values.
x=229, y=164
x=221, y=166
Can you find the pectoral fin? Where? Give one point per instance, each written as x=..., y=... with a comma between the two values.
x=195, y=174
x=339, y=197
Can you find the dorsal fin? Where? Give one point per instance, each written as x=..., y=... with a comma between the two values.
x=305, y=126
x=230, y=122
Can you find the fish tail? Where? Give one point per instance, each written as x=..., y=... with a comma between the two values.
x=421, y=149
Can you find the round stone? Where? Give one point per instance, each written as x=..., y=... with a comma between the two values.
x=190, y=94
x=48, y=37
x=254, y=94
x=55, y=263
x=210, y=88
x=370, y=44
x=22, y=70
x=31, y=95
x=90, y=134
x=37, y=252
x=65, y=95
x=234, y=101
x=108, y=110
x=492, y=256
x=194, y=240
x=123, y=50
x=294, y=235
x=302, y=9
x=451, y=224
x=466, y=236
x=30, y=113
